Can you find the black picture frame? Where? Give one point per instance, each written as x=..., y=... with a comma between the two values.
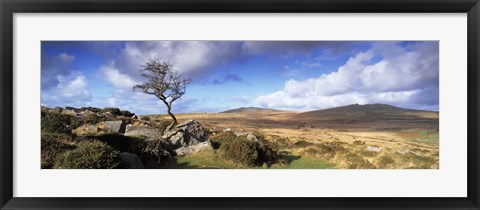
x=10, y=7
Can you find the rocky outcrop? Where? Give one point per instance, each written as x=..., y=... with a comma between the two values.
x=188, y=133
x=194, y=129
x=373, y=149
x=116, y=126
x=142, y=130
x=107, y=115
x=86, y=113
x=132, y=160
x=203, y=146
x=251, y=137
x=69, y=112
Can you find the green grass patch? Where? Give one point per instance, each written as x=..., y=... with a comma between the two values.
x=205, y=160
x=426, y=136
x=211, y=160
x=305, y=163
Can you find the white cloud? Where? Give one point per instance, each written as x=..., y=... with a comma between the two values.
x=402, y=77
x=117, y=79
x=54, y=65
x=72, y=86
x=191, y=58
x=198, y=59
x=70, y=90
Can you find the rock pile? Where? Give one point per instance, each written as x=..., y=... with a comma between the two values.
x=194, y=148
x=186, y=138
x=188, y=133
x=117, y=126
x=142, y=130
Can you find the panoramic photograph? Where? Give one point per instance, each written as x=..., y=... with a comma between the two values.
x=239, y=104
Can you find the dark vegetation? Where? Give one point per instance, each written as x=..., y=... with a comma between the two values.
x=147, y=151
x=117, y=112
x=52, y=146
x=63, y=149
x=52, y=122
x=90, y=155
x=244, y=152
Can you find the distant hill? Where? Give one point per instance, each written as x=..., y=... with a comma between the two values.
x=360, y=115
x=367, y=108
x=256, y=110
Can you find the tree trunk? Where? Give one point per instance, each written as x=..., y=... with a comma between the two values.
x=174, y=122
x=169, y=110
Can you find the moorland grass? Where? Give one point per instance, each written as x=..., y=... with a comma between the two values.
x=306, y=163
x=89, y=155
x=204, y=159
x=52, y=146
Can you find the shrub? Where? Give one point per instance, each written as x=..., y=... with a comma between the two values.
x=93, y=119
x=367, y=153
x=93, y=109
x=413, y=160
x=112, y=110
x=283, y=141
x=326, y=150
x=58, y=109
x=277, y=143
x=52, y=145
x=358, y=142
x=117, y=112
x=311, y=152
x=70, y=108
x=241, y=152
x=224, y=137
x=385, y=161
x=152, y=153
x=90, y=155
x=352, y=161
x=126, y=113
x=52, y=122
x=301, y=144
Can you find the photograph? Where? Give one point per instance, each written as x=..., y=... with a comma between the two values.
x=240, y=104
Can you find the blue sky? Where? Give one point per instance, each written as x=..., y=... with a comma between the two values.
x=290, y=75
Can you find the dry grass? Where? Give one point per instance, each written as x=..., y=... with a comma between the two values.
x=406, y=141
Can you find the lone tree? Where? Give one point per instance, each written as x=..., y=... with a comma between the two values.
x=164, y=83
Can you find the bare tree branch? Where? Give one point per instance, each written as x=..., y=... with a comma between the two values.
x=164, y=83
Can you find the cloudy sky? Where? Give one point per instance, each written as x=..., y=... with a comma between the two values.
x=290, y=75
